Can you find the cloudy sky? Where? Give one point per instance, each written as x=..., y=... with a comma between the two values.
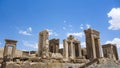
x=22, y=20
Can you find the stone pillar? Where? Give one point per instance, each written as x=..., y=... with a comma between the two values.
x=5, y=50
x=72, y=49
x=57, y=48
x=13, y=51
x=79, y=48
x=93, y=48
x=43, y=45
x=65, y=48
x=99, y=49
x=115, y=52
x=47, y=48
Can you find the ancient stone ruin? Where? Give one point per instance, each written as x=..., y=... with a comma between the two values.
x=54, y=45
x=11, y=55
x=72, y=48
x=110, y=51
x=49, y=55
x=43, y=44
x=92, y=44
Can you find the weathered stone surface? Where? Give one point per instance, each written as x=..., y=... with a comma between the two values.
x=110, y=51
x=12, y=65
x=72, y=48
x=54, y=45
x=56, y=56
x=93, y=44
x=9, y=43
x=35, y=59
x=43, y=44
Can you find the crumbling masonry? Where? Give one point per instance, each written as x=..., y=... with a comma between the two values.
x=43, y=44
x=110, y=51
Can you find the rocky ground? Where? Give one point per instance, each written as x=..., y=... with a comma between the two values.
x=96, y=63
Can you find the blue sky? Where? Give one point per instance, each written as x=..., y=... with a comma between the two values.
x=22, y=20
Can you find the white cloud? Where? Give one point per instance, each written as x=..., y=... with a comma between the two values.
x=83, y=44
x=81, y=26
x=51, y=32
x=88, y=26
x=28, y=31
x=114, y=22
x=77, y=34
x=29, y=44
x=61, y=45
x=115, y=41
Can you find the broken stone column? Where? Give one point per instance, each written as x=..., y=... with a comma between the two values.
x=43, y=44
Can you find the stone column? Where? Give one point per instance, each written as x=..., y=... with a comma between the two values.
x=93, y=47
x=47, y=48
x=5, y=50
x=57, y=48
x=65, y=48
x=13, y=51
x=72, y=49
x=79, y=49
x=44, y=46
x=99, y=49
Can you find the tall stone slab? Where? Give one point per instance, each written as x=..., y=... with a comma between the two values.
x=93, y=43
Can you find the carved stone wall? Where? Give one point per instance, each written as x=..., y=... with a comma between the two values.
x=54, y=45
